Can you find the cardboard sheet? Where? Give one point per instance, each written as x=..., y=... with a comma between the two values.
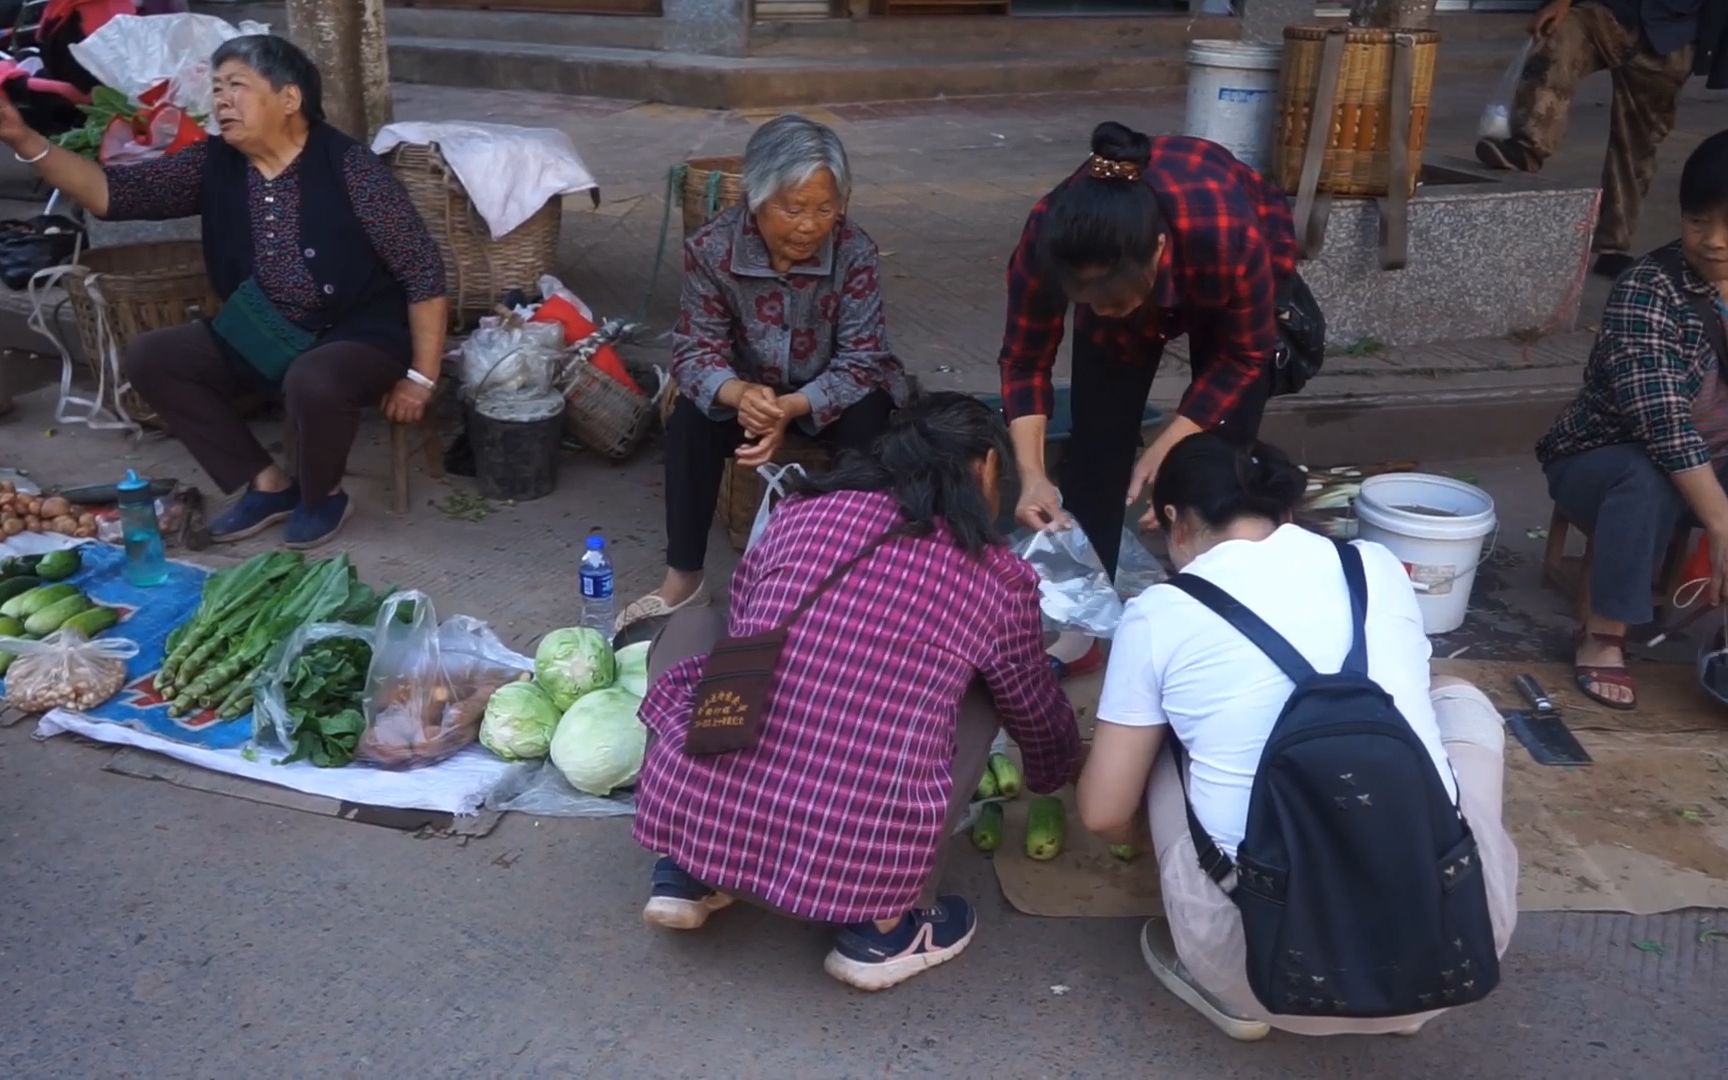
x=1643, y=830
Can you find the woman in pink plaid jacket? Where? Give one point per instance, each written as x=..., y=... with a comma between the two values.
x=885, y=700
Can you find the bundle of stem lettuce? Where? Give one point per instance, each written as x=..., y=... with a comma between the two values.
x=214, y=656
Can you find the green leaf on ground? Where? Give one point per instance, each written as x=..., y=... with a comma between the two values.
x=1709, y=936
x=1689, y=815
x=1649, y=947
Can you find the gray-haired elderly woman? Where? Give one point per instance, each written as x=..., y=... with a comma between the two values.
x=332, y=288
x=780, y=323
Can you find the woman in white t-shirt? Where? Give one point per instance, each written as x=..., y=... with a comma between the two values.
x=1226, y=514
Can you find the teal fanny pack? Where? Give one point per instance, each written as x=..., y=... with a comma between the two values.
x=264, y=337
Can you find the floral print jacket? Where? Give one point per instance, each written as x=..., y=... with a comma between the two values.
x=817, y=329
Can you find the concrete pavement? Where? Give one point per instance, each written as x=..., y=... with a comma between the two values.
x=151, y=931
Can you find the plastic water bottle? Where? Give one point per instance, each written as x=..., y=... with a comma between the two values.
x=146, y=564
x=597, y=585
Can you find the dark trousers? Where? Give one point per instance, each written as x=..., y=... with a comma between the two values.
x=695, y=631
x=1109, y=405
x=697, y=449
x=193, y=386
x=1631, y=509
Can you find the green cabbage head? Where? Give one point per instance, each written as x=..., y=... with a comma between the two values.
x=599, y=743
x=519, y=722
x=573, y=662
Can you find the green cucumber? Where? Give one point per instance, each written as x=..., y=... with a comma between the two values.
x=1007, y=775
x=59, y=565
x=16, y=586
x=48, y=619
x=986, y=786
x=10, y=627
x=92, y=621
x=987, y=830
x=19, y=566
x=1125, y=852
x=27, y=604
x=6, y=659
x=1046, y=822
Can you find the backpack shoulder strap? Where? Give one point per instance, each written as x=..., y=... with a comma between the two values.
x=1714, y=332
x=1251, y=626
x=1356, y=576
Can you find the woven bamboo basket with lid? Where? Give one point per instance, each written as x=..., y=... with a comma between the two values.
x=1358, y=157
x=123, y=291
x=707, y=187
x=478, y=269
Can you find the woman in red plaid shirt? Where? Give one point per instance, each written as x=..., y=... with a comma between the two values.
x=1151, y=238
x=885, y=700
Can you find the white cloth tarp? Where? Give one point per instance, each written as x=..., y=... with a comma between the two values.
x=457, y=785
x=509, y=172
x=132, y=53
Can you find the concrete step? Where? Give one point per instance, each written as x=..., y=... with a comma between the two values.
x=713, y=82
x=786, y=79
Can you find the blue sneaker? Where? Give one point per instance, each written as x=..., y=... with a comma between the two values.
x=317, y=523
x=868, y=959
x=677, y=901
x=254, y=512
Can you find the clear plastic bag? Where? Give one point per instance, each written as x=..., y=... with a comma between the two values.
x=272, y=723
x=507, y=358
x=1137, y=569
x=427, y=688
x=774, y=478
x=65, y=670
x=1073, y=590
x=1496, y=122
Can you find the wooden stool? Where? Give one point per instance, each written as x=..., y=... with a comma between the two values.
x=404, y=440
x=1569, y=575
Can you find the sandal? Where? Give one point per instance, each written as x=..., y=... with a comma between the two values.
x=1587, y=675
x=653, y=606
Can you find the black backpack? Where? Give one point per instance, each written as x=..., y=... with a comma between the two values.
x=1358, y=879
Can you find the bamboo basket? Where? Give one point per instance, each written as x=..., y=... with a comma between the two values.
x=479, y=270
x=604, y=416
x=1358, y=156
x=741, y=488
x=709, y=186
x=121, y=292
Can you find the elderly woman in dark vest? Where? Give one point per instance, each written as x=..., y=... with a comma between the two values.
x=332, y=288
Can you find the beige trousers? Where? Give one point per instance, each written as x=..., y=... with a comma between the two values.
x=1207, y=926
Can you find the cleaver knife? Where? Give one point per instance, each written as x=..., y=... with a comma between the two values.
x=1542, y=729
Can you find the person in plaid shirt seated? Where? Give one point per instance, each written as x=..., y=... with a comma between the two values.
x=885, y=700
x=1643, y=449
x=1150, y=239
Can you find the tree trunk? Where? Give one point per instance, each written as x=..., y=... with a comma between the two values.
x=345, y=38
x=1403, y=14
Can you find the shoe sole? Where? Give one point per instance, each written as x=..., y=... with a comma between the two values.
x=1238, y=1029
x=873, y=977
x=308, y=545
x=671, y=913
x=252, y=530
x=1489, y=154
x=698, y=599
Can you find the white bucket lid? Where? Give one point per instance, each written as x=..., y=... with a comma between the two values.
x=1468, y=510
x=1243, y=55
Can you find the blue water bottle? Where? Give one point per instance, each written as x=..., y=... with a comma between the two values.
x=597, y=585
x=146, y=565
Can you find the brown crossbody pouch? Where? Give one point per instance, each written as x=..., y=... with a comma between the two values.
x=738, y=678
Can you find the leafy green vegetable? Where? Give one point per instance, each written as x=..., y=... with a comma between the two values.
x=1649, y=947
x=323, y=693
x=572, y=662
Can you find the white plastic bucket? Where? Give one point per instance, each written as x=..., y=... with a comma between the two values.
x=1233, y=96
x=1436, y=527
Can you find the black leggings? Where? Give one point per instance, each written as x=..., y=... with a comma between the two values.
x=697, y=449
x=1109, y=405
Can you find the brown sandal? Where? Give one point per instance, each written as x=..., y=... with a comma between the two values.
x=1586, y=675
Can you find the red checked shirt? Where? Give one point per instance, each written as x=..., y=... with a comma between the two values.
x=837, y=813
x=1230, y=242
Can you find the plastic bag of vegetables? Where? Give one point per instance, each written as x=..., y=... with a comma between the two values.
x=572, y=662
x=309, y=698
x=600, y=743
x=427, y=687
x=64, y=671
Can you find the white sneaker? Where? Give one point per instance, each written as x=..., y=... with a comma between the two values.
x=1159, y=949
